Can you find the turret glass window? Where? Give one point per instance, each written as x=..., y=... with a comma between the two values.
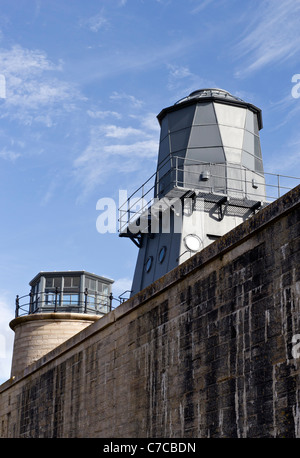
x=79, y=292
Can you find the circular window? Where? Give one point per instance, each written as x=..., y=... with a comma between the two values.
x=192, y=242
x=148, y=264
x=162, y=254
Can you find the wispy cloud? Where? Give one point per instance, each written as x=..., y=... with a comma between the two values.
x=9, y=155
x=286, y=108
x=150, y=123
x=139, y=57
x=53, y=184
x=21, y=61
x=121, y=286
x=102, y=158
x=200, y=5
x=271, y=37
x=95, y=23
x=114, y=149
x=102, y=114
x=135, y=102
x=289, y=163
x=34, y=82
x=181, y=81
x=121, y=132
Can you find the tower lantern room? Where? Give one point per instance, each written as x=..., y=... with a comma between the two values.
x=71, y=291
x=210, y=141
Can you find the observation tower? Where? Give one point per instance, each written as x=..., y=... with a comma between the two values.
x=59, y=305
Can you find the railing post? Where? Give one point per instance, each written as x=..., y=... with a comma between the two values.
x=30, y=302
x=56, y=293
x=17, y=307
x=110, y=301
x=85, y=299
x=128, y=210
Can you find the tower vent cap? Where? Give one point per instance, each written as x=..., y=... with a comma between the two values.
x=209, y=92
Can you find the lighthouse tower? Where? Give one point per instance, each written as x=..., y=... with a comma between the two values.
x=209, y=179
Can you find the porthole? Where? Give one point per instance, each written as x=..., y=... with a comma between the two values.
x=162, y=254
x=193, y=242
x=148, y=264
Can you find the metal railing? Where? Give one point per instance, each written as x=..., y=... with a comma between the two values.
x=139, y=202
x=56, y=301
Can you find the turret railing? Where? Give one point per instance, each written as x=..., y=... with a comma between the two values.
x=68, y=303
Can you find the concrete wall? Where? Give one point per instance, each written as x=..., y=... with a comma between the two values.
x=209, y=350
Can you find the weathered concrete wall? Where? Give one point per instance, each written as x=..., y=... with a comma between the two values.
x=206, y=351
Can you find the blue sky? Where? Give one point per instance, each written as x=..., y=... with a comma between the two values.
x=82, y=84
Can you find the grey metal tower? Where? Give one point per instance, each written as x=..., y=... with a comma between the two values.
x=209, y=179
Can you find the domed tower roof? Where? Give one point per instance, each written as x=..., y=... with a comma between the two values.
x=212, y=94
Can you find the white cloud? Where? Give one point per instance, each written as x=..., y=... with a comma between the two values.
x=32, y=94
x=32, y=84
x=136, y=103
x=121, y=285
x=286, y=108
x=113, y=150
x=98, y=114
x=181, y=81
x=52, y=188
x=289, y=163
x=140, y=149
x=120, y=132
x=178, y=72
x=94, y=23
x=150, y=122
x=138, y=57
x=201, y=5
x=9, y=155
x=21, y=61
x=271, y=37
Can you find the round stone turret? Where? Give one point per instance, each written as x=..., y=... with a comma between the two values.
x=59, y=305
